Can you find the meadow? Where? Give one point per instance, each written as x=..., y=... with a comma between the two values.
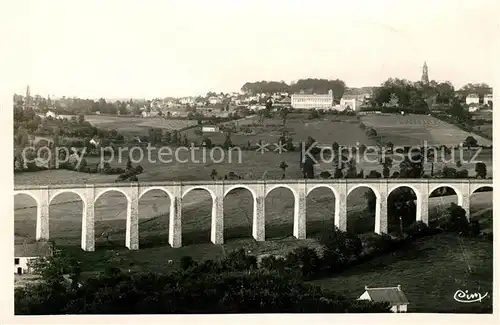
x=247, y=164
x=136, y=125
x=414, y=129
x=430, y=271
x=325, y=130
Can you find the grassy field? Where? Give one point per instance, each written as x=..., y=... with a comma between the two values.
x=248, y=164
x=414, y=129
x=325, y=130
x=430, y=271
x=136, y=125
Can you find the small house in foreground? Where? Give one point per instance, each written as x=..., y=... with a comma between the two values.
x=210, y=128
x=25, y=253
x=393, y=295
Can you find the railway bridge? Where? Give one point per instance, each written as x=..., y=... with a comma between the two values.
x=89, y=193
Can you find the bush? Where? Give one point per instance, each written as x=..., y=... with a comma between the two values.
x=338, y=173
x=325, y=175
x=449, y=172
x=374, y=174
x=417, y=229
x=306, y=259
x=340, y=247
x=455, y=219
x=474, y=229
x=187, y=262
x=272, y=262
x=378, y=244
x=370, y=132
x=238, y=260
x=122, y=177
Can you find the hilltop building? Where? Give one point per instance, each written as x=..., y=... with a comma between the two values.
x=488, y=99
x=312, y=101
x=472, y=99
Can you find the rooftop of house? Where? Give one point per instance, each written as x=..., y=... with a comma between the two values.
x=40, y=248
x=309, y=95
x=393, y=295
x=473, y=96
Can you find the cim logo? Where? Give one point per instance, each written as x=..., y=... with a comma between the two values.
x=467, y=297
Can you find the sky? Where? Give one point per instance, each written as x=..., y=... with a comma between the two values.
x=148, y=49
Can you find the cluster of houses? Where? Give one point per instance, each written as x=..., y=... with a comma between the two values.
x=474, y=102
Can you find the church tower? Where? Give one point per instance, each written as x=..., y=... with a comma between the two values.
x=27, y=100
x=425, y=74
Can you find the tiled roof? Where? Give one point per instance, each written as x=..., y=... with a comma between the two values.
x=34, y=249
x=393, y=295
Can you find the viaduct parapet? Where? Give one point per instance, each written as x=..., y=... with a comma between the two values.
x=89, y=193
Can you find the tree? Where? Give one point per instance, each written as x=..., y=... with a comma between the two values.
x=456, y=219
x=227, y=142
x=430, y=157
x=284, y=114
x=362, y=148
x=470, y=141
x=325, y=174
x=335, y=148
x=393, y=101
x=129, y=163
x=339, y=247
x=389, y=145
x=213, y=174
x=458, y=111
x=351, y=170
x=449, y=172
x=481, y=170
x=386, y=163
x=52, y=267
x=411, y=168
x=306, y=259
x=374, y=174
x=370, y=132
x=166, y=138
x=207, y=142
x=283, y=167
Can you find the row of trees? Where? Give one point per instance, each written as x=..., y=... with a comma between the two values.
x=75, y=106
x=309, y=85
x=27, y=121
x=411, y=167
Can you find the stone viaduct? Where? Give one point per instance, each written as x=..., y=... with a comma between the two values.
x=89, y=193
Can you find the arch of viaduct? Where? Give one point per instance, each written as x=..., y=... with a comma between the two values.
x=89, y=193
